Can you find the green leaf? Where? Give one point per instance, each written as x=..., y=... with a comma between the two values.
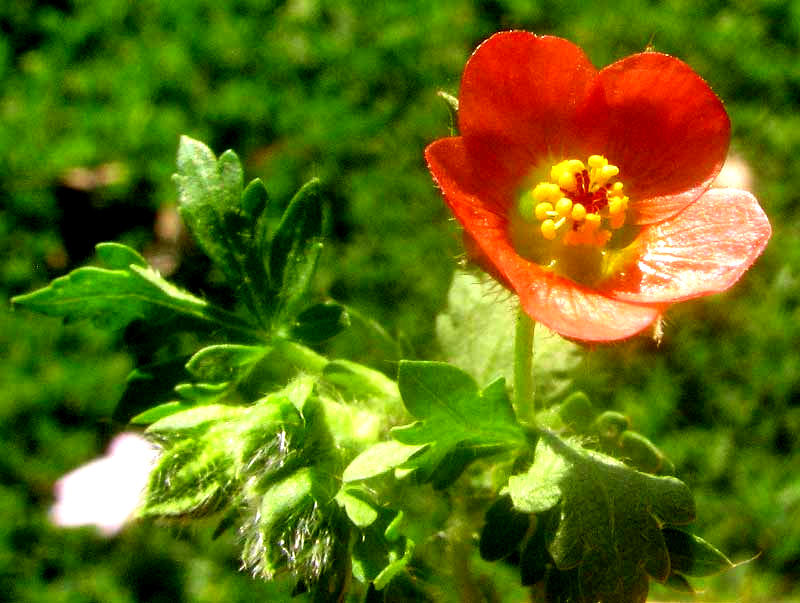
x=577, y=412
x=452, y=410
x=360, y=381
x=378, y=559
x=223, y=223
x=474, y=302
x=296, y=246
x=540, y=488
x=202, y=393
x=690, y=555
x=378, y=458
x=161, y=411
x=113, y=298
x=453, y=413
x=116, y=255
x=611, y=519
x=194, y=421
x=319, y=322
x=504, y=529
x=224, y=362
x=360, y=512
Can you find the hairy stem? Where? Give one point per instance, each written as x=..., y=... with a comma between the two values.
x=523, y=363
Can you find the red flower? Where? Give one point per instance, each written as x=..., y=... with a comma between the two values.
x=536, y=180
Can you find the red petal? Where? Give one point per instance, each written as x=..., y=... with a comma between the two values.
x=561, y=305
x=570, y=309
x=656, y=119
x=704, y=249
x=521, y=90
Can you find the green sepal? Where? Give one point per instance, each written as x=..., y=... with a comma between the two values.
x=295, y=248
x=319, y=323
x=690, y=555
x=194, y=421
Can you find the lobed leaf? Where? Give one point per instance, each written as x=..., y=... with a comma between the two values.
x=112, y=298
x=609, y=535
x=296, y=247
x=222, y=221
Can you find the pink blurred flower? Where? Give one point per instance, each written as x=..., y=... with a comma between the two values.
x=106, y=491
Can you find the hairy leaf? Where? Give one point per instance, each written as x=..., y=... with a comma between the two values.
x=692, y=556
x=224, y=222
x=487, y=353
x=112, y=298
x=452, y=411
x=611, y=518
x=296, y=246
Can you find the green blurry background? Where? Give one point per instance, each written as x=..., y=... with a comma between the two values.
x=94, y=96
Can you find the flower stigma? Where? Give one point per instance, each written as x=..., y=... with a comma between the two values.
x=565, y=223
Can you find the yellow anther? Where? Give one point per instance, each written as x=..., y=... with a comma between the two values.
x=607, y=172
x=566, y=180
x=575, y=166
x=546, y=191
x=548, y=229
x=563, y=203
x=542, y=209
x=597, y=161
x=564, y=206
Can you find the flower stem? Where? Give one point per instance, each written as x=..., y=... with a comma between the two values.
x=523, y=362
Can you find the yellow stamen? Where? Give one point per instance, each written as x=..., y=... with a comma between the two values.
x=578, y=212
x=543, y=210
x=548, y=229
x=564, y=206
x=597, y=161
x=546, y=191
x=584, y=201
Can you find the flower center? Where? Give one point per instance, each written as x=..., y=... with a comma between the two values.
x=578, y=202
x=565, y=224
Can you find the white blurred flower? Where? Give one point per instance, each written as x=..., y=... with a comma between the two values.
x=735, y=173
x=106, y=491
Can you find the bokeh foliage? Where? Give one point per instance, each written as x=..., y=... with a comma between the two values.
x=94, y=97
